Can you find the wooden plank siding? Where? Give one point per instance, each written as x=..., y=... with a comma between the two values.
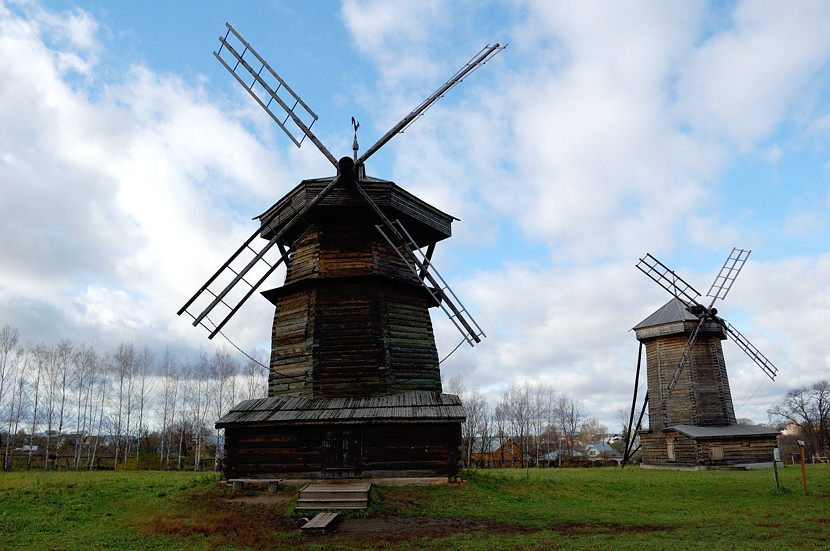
x=703, y=453
x=701, y=395
x=386, y=449
x=351, y=320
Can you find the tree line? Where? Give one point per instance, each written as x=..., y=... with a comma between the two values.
x=534, y=416
x=77, y=404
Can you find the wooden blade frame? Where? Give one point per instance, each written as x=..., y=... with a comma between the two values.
x=687, y=352
x=720, y=287
x=236, y=59
x=754, y=354
x=728, y=274
x=267, y=87
x=239, y=274
x=668, y=280
x=426, y=272
x=483, y=56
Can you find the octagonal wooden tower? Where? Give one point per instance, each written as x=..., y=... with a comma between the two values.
x=354, y=383
x=352, y=318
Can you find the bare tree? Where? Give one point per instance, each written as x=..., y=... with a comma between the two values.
x=50, y=395
x=568, y=412
x=168, y=401
x=123, y=366
x=40, y=359
x=515, y=404
x=144, y=372
x=808, y=408
x=255, y=378
x=9, y=337
x=65, y=358
x=16, y=369
x=591, y=431
x=223, y=374
x=85, y=367
x=476, y=427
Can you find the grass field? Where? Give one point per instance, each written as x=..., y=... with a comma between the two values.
x=605, y=508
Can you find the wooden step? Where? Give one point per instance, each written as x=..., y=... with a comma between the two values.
x=320, y=523
x=334, y=496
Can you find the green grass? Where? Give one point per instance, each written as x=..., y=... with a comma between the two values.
x=494, y=509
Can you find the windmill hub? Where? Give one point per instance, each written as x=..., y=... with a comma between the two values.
x=346, y=166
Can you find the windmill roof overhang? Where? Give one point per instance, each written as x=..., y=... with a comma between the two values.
x=674, y=318
x=426, y=223
x=416, y=406
x=723, y=431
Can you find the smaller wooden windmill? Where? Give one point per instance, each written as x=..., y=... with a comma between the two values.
x=692, y=421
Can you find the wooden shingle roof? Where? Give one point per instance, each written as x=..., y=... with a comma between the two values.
x=412, y=406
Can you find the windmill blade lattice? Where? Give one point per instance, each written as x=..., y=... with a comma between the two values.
x=236, y=269
x=248, y=266
x=754, y=354
x=483, y=56
x=420, y=265
x=728, y=273
x=270, y=85
x=668, y=280
x=720, y=287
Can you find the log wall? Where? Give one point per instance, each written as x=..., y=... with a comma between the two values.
x=690, y=452
x=351, y=320
x=383, y=449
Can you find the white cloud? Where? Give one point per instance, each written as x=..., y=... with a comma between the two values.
x=601, y=133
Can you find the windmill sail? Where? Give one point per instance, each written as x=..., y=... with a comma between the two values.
x=685, y=357
x=483, y=56
x=728, y=273
x=754, y=354
x=668, y=280
x=432, y=281
x=270, y=85
x=720, y=287
x=248, y=267
x=238, y=266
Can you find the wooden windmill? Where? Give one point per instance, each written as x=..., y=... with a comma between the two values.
x=354, y=383
x=691, y=417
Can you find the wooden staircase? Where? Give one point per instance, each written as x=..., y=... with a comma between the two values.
x=352, y=495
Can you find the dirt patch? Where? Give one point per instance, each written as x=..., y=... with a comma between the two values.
x=272, y=500
x=395, y=529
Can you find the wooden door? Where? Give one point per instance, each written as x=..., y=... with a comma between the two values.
x=341, y=453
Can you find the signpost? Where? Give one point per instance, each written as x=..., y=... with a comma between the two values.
x=801, y=458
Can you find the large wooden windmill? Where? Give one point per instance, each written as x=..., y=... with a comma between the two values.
x=691, y=417
x=354, y=383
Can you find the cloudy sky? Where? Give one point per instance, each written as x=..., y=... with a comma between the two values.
x=131, y=164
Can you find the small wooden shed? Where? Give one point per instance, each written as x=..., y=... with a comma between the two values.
x=409, y=434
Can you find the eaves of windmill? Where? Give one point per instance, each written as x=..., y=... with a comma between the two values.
x=691, y=418
x=354, y=386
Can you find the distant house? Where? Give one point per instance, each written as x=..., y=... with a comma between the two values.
x=602, y=451
x=552, y=459
x=509, y=454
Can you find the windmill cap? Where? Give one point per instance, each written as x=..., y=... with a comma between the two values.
x=673, y=318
